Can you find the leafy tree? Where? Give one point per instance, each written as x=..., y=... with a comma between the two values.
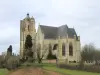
x=28, y=47
x=28, y=42
x=9, y=51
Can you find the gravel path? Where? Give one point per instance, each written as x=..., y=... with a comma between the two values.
x=32, y=71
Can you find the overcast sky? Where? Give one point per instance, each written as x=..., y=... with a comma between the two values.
x=83, y=15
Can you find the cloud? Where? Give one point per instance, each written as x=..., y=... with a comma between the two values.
x=83, y=15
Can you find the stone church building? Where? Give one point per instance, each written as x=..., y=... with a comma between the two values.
x=64, y=41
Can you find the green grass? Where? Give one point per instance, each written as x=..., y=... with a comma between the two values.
x=66, y=71
x=52, y=67
x=3, y=71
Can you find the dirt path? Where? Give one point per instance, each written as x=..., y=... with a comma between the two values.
x=33, y=71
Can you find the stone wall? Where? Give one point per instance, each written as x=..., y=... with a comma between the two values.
x=27, y=27
x=45, y=42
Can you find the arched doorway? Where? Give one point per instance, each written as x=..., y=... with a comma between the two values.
x=55, y=47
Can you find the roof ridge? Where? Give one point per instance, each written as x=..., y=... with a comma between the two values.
x=48, y=26
x=64, y=25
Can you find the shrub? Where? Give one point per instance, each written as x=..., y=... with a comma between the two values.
x=88, y=68
x=22, y=60
x=30, y=59
x=12, y=63
x=81, y=64
x=2, y=62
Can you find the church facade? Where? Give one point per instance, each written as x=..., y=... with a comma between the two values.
x=65, y=43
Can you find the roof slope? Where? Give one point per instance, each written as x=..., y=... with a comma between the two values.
x=62, y=31
x=49, y=32
x=53, y=32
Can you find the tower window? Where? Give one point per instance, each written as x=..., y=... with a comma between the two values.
x=63, y=49
x=55, y=47
x=28, y=27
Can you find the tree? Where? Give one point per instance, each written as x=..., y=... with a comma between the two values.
x=38, y=52
x=13, y=63
x=28, y=42
x=9, y=51
x=97, y=57
x=2, y=61
x=28, y=47
x=88, y=53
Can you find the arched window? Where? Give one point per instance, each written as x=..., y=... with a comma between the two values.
x=55, y=47
x=63, y=50
x=70, y=49
x=28, y=27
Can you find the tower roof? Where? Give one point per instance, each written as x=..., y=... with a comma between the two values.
x=27, y=16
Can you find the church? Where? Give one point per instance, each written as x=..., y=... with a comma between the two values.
x=64, y=41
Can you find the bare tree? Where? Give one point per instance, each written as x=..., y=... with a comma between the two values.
x=97, y=57
x=40, y=55
x=88, y=53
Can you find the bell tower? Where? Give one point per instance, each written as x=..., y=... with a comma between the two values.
x=27, y=27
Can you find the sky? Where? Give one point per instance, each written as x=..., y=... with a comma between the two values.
x=82, y=15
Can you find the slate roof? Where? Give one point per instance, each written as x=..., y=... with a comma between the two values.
x=53, y=32
x=49, y=32
x=62, y=31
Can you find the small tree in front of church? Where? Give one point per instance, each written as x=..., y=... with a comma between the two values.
x=28, y=47
x=38, y=53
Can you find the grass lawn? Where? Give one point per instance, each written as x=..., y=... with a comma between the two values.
x=52, y=67
x=66, y=71
x=3, y=71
